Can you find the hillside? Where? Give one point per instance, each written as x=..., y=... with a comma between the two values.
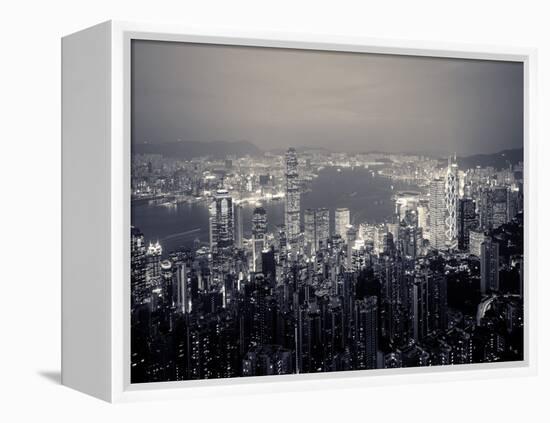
x=190, y=149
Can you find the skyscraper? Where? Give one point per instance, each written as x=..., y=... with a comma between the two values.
x=419, y=307
x=485, y=209
x=282, y=243
x=422, y=215
x=351, y=236
x=501, y=199
x=451, y=203
x=259, y=229
x=437, y=214
x=392, y=279
x=366, y=333
x=409, y=240
x=380, y=238
x=428, y=303
x=238, y=226
x=154, y=253
x=467, y=220
x=292, y=197
x=489, y=269
x=221, y=222
x=493, y=207
x=437, y=301
x=316, y=229
x=322, y=227
x=475, y=239
x=170, y=294
x=269, y=266
x=309, y=230
x=341, y=221
x=183, y=300
x=138, y=265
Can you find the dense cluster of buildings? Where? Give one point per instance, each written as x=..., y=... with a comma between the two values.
x=440, y=282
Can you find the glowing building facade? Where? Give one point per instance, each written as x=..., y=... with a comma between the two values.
x=437, y=214
x=316, y=229
x=259, y=229
x=341, y=221
x=221, y=222
x=292, y=197
x=138, y=266
x=451, y=203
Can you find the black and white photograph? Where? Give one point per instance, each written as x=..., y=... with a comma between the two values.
x=263, y=211
x=305, y=211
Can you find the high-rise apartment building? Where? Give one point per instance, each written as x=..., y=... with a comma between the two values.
x=419, y=307
x=154, y=253
x=476, y=238
x=351, y=236
x=322, y=227
x=238, y=225
x=467, y=220
x=138, y=265
x=494, y=207
x=341, y=221
x=489, y=269
x=309, y=230
x=366, y=333
x=183, y=298
x=316, y=229
x=259, y=230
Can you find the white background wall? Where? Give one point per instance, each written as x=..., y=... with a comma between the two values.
x=30, y=206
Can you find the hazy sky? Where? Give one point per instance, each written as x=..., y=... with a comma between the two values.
x=277, y=98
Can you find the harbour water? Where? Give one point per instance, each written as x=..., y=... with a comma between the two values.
x=367, y=195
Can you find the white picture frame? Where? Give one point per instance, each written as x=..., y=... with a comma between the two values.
x=96, y=225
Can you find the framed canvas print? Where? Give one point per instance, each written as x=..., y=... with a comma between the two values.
x=246, y=212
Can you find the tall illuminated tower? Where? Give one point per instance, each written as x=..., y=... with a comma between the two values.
x=238, y=209
x=437, y=214
x=221, y=222
x=138, y=266
x=167, y=277
x=292, y=197
x=183, y=299
x=451, y=203
x=259, y=229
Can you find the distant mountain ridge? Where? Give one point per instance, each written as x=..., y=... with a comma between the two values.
x=501, y=160
x=190, y=149
x=220, y=149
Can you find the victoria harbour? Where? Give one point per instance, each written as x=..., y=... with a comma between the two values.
x=367, y=195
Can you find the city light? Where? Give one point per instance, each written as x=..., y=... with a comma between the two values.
x=429, y=271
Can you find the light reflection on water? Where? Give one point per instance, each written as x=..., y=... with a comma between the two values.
x=368, y=198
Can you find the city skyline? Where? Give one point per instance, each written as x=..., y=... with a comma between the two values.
x=441, y=155
x=314, y=297
x=319, y=259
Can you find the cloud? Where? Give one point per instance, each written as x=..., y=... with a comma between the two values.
x=346, y=101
